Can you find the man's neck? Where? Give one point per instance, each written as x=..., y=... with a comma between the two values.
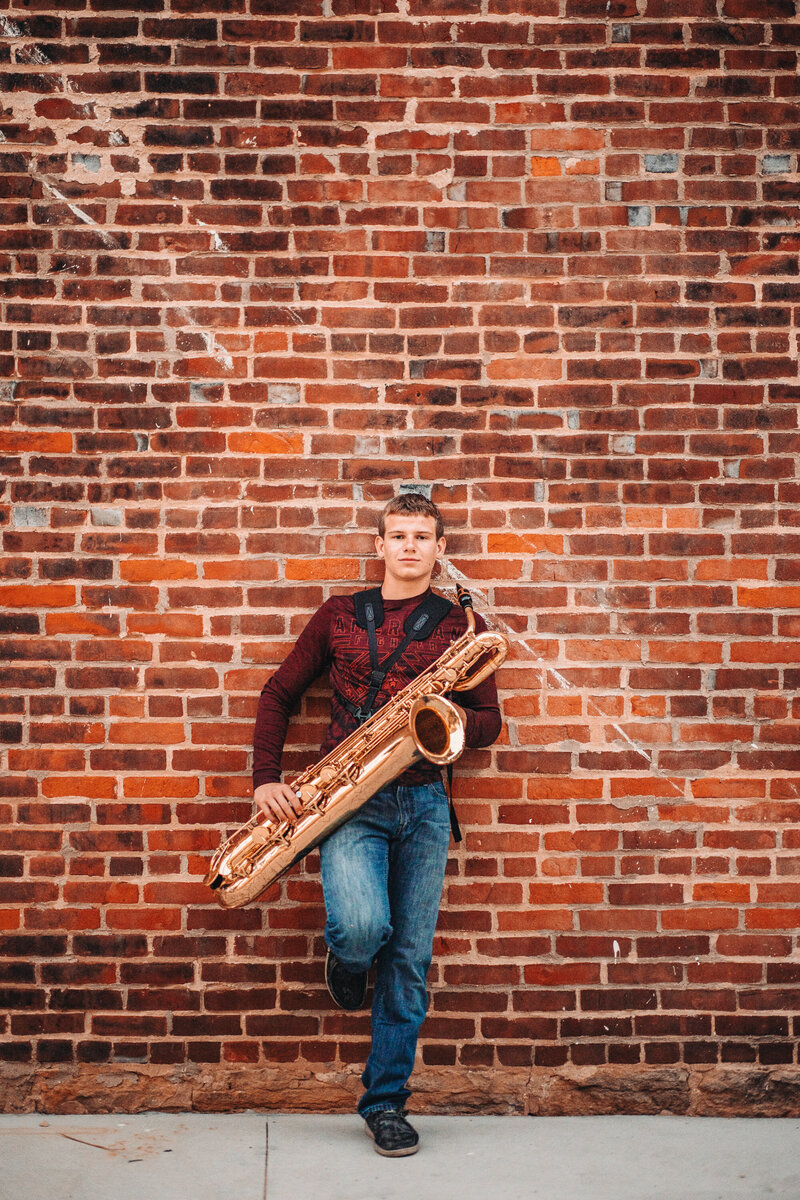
x=399, y=589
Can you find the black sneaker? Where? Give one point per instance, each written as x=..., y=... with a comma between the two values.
x=347, y=989
x=391, y=1133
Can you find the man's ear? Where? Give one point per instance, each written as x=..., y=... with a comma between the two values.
x=441, y=546
x=379, y=545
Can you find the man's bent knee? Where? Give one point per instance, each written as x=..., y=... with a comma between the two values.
x=356, y=942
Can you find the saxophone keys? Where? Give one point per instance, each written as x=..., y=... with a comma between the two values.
x=317, y=806
x=307, y=793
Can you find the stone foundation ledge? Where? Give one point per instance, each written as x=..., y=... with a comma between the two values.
x=715, y=1091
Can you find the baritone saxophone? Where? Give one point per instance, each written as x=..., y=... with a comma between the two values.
x=418, y=722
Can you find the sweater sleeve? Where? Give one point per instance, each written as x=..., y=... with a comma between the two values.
x=283, y=691
x=481, y=707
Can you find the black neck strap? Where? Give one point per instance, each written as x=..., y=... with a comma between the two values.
x=418, y=625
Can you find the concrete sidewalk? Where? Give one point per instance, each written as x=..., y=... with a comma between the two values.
x=250, y=1156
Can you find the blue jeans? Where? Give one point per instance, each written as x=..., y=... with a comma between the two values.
x=382, y=875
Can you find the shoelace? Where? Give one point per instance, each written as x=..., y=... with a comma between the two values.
x=393, y=1121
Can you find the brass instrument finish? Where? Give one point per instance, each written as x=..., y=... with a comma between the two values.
x=418, y=722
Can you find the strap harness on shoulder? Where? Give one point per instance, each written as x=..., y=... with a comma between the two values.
x=417, y=626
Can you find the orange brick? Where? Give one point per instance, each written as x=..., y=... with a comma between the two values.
x=765, y=652
x=33, y=442
x=732, y=568
x=523, y=368
x=172, y=786
x=147, y=733
x=685, y=652
x=545, y=166
x=265, y=443
x=769, y=597
x=314, y=568
x=579, y=166
x=525, y=543
x=149, y=570
x=568, y=138
x=91, y=787
x=25, y=595
x=604, y=650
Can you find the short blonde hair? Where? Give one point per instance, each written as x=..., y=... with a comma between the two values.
x=411, y=504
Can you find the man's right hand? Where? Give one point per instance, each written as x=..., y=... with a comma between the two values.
x=278, y=800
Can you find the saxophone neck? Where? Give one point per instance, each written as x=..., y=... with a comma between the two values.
x=465, y=600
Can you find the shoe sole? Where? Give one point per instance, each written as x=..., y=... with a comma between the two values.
x=338, y=1003
x=403, y=1152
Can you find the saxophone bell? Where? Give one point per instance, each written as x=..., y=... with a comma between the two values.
x=437, y=728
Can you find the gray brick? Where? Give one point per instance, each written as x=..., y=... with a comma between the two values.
x=638, y=214
x=27, y=515
x=89, y=162
x=423, y=488
x=284, y=393
x=661, y=164
x=106, y=516
x=776, y=164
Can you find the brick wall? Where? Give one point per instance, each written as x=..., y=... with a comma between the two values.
x=268, y=260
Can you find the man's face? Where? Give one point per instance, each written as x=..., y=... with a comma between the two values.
x=409, y=548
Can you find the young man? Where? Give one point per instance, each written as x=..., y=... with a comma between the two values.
x=383, y=870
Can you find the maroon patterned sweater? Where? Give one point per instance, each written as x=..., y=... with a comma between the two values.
x=332, y=640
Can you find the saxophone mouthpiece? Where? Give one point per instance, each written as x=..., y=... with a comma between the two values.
x=464, y=598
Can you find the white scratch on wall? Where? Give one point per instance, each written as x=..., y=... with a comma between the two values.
x=560, y=680
x=105, y=237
